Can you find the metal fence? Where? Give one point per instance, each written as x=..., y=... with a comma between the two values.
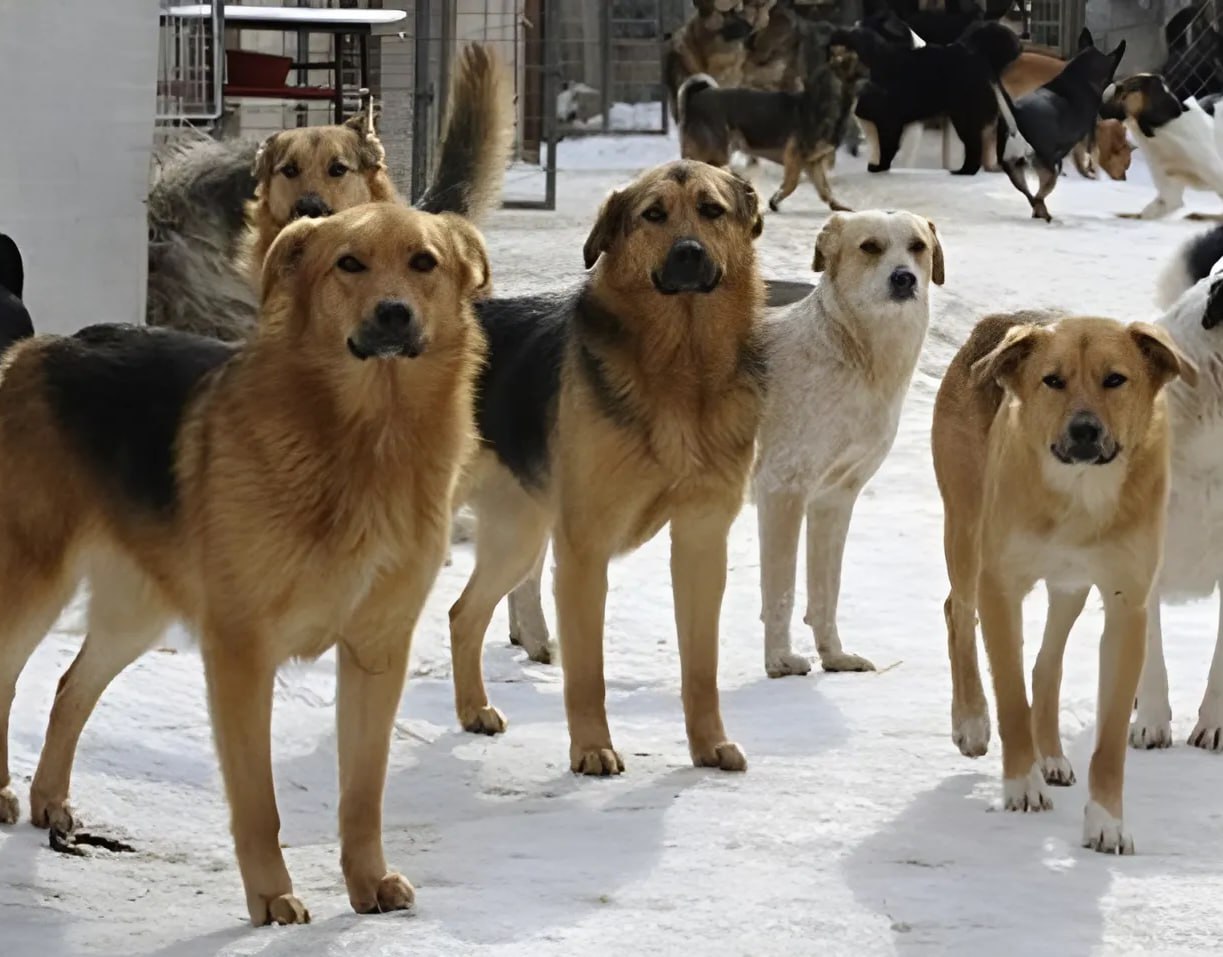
x=1195, y=51
x=190, y=58
x=1055, y=24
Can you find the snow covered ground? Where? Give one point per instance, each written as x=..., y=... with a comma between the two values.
x=858, y=830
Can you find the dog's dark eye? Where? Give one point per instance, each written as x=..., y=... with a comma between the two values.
x=1114, y=380
x=337, y=169
x=1054, y=382
x=423, y=262
x=289, y=171
x=351, y=264
x=655, y=214
x=871, y=248
x=917, y=247
x=710, y=210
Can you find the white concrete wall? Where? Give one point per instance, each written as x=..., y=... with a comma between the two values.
x=79, y=81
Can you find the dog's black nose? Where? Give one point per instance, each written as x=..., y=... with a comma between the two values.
x=688, y=268
x=311, y=206
x=393, y=315
x=1084, y=429
x=904, y=283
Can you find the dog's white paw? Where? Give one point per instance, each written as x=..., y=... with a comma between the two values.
x=1104, y=833
x=1057, y=771
x=782, y=663
x=1208, y=732
x=1026, y=793
x=843, y=661
x=971, y=735
x=1150, y=731
x=10, y=807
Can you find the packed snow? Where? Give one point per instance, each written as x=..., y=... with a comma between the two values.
x=858, y=829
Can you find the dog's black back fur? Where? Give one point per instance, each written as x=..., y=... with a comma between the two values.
x=15, y=323
x=119, y=393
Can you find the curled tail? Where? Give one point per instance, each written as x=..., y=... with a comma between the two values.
x=690, y=88
x=477, y=137
x=1193, y=260
x=15, y=323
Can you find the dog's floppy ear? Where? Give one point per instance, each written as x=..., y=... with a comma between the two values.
x=610, y=222
x=1085, y=39
x=937, y=271
x=828, y=243
x=747, y=204
x=1164, y=358
x=285, y=254
x=265, y=160
x=12, y=273
x=469, y=244
x=1002, y=362
x=369, y=148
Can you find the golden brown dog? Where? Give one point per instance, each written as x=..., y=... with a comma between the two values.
x=1051, y=451
x=280, y=499
x=316, y=171
x=645, y=391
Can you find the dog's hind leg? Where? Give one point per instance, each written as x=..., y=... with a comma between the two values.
x=511, y=536
x=780, y=517
x=818, y=171
x=827, y=529
x=1019, y=179
x=125, y=618
x=1048, y=180
x=1064, y=609
x=528, y=626
x=792, y=171
x=1152, y=727
x=1208, y=732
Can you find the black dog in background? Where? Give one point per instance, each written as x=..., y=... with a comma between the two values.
x=15, y=321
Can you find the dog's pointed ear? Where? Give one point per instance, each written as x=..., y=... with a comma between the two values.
x=937, y=269
x=369, y=148
x=828, y=243
x=1085, y=39
x=469, y=246
x=747, y=204
x=1002, y=362
x=1117, y=54
x=285, y=255
x=1163, y=357
x=265, y=160
x=611, y=222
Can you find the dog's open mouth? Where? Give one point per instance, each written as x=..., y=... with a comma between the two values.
x=671, y=287
x=1076, y=455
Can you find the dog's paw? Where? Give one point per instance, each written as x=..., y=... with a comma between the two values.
x=1057, y=771
x=782, y=663
x=1208, y=732
x=1104, y=833
x=971, y=735
x=1026, y=793
x=486, y=720
x=283, y=909
x=843, y=661
x=10, y=807
x=877, y=168
x=1129, y=215
x=596, y=762
x=392, y=892
x=1040, y=212
x=53, y=814
x=775, y=203
x=1150, y=731
x=837, y=207
x=726, y=756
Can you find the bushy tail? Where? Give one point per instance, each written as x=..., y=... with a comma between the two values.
x=478, y=135
x=15, y=323
x=998, y=46
x=1193, y=260
x=690, y=88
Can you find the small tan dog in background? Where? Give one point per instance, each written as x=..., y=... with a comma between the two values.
x=1051, y=448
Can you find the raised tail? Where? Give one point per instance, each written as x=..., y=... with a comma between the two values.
x=1012, y=147
x=695, y=84
x=1193, y=261
x=15, y=323
x=478, y=135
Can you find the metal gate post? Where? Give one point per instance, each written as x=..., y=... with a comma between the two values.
x=422, y=98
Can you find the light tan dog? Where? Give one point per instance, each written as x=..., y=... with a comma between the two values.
x=280, y=499
x=1051, y=448
x=646, y=391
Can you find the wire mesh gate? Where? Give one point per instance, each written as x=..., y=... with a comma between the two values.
x=190, y=60
x=1195, y=51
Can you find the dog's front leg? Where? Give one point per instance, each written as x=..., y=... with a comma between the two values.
x=240, y=677
x=698, y=579
x=1121, y=652
x=1001, y=607
x=1064, y=610
x=1152, y=727
x=581, y=603
x=780, y=518
x=1208, y=732
x=528, y=626
x=827, y=529
x=1169, y=197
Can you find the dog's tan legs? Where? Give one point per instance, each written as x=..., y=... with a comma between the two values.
x=871, y=134
x=1064, y=610
x=989, y=148
x=1152, y=727
x=528, y=626
x=511, y=535
x=780, y=519
x=1121, y=652
x=698, y=579
x=240, y=681
x=1023, y=784
x=962, y=548
x=581, y=603
x=1084, y=160
x=125, y=618
x=792, y=171
x=1208, y=732
x=818, y=172
x=827, y=529
x=30, y=604
x=1047, y=179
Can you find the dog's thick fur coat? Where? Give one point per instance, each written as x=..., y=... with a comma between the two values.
x=1051, y=452
x=280, y=499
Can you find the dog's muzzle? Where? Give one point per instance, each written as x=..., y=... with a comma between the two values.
x=688, y=268
x=311, y=206
x=903, y=284
x=1085, y=441
x=392, y=331
x=734, y=27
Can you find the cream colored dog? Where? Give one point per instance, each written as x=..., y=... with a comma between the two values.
x=1051, y=448
x=840, y=362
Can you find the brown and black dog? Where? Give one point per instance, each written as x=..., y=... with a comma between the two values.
x=280, y=498
x=608, y=412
